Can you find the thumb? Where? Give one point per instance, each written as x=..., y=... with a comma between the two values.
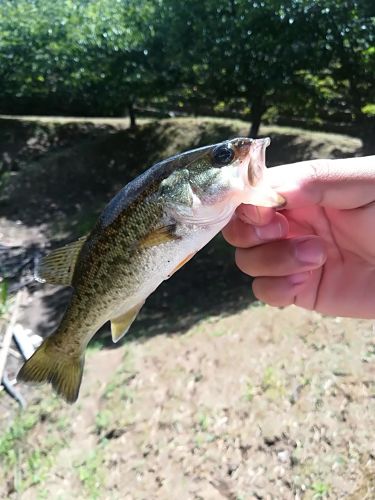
x=341, y=184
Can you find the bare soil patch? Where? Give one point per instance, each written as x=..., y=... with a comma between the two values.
x=212, y=395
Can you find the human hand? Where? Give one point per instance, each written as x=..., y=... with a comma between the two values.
x=318, y=252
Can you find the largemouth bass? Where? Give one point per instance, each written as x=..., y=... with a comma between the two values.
x=150, y=229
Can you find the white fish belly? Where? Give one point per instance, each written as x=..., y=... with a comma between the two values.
x=162, y=260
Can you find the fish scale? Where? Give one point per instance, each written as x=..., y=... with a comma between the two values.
x=150, y=229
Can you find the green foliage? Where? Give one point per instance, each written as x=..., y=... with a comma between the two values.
x=310, y=58
x=368, y=109
x=87, y=56
x=304, y=57
x=3, y=297
x=342, y=82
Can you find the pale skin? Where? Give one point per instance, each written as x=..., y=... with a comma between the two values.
x=318, y=252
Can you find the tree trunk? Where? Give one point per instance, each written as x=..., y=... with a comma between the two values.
x=257, y=110
x=131, y=112
x=367, y=134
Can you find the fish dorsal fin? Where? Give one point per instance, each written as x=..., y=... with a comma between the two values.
x=121, y=324
x=58, y=266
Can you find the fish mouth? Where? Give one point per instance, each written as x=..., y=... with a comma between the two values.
x=242, y=147
x=257, y=160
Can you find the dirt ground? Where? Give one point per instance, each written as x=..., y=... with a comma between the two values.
x=212, y=395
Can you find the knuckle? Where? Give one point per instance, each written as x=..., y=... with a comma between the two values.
x=319, y=174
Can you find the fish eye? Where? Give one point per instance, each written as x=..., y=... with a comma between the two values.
x=223, y=155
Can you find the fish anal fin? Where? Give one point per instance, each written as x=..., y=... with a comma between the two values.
x=158, y=236
x=58, y=266
x=121, y=324
x=47, y=364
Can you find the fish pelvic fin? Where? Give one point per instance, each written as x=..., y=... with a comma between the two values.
x=58, y=266
x=121, y=324
x=48, y=364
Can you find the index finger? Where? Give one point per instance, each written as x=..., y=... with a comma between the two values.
x=259, y=216
x=341, y=184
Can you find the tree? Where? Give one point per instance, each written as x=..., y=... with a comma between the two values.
x=297, y=56
x=86, y=56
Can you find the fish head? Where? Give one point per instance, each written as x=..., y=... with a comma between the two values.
x=233, y=169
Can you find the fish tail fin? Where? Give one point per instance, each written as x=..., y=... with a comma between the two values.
x=48, y=364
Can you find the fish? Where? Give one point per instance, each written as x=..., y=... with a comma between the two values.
x=148, y=231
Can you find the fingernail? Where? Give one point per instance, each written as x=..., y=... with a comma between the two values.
x=298, y=278
x=271, y=231
x=310, y=251
x=244, y=216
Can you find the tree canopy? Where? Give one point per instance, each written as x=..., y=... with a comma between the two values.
x=302, y=59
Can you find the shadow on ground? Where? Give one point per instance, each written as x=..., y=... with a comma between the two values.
x=59, y=177
x=208, y=285
x=52, y=178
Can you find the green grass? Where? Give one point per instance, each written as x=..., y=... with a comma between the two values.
x=4, y=297
x=250, y=391
x=203, y=421
x=14, y=435
x=203, y=434
x=320, y=490
x=218, y=333
x=29, y=447
x=272, y=385
x=91, y=472
x=102, y=421
x=38, y=464
x=121, y=378
x=25, y=459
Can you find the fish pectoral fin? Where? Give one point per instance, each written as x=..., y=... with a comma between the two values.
x=121, y=324
x=264, y=196
x=160, y=235
x=58, y=266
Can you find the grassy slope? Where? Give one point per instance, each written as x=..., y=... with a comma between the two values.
x=64, y=167
x=249, y=401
